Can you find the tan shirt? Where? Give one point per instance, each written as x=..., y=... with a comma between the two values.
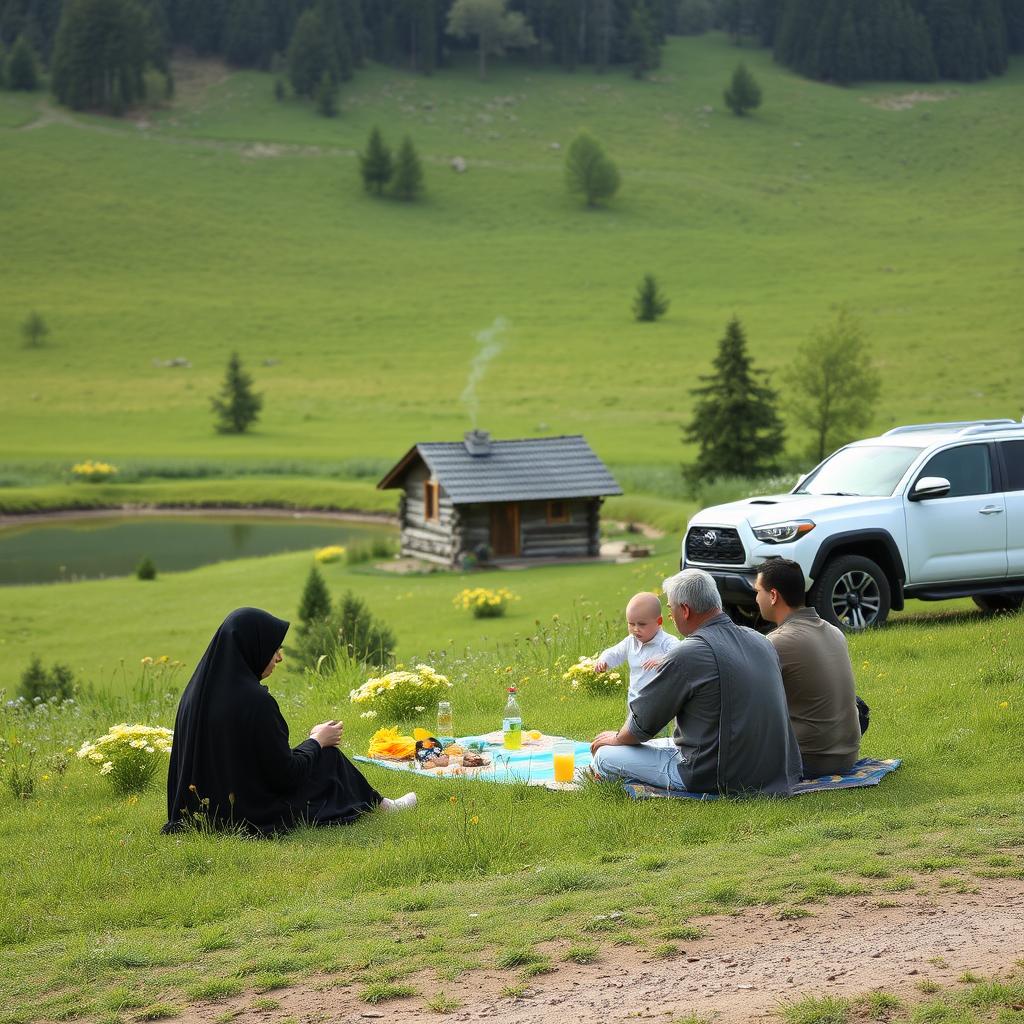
x=820, y=690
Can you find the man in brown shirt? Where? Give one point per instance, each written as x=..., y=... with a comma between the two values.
x=816, y=671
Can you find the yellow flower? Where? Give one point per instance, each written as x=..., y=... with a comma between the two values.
x=475, y=820
x=1004, y=703
x=453, y=799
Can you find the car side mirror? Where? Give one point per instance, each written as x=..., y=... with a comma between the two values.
x=929, y=487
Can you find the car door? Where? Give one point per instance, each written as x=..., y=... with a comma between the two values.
x=962, y=535
x=1013, y=471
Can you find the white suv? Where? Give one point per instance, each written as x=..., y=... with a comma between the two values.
x=931, y=511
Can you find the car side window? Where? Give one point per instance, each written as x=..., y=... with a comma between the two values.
x=967, y=469
x=1013, y=457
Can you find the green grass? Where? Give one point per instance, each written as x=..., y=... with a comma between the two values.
x=196, y=236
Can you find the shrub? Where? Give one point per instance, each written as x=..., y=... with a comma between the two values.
x=350, y=630
x=94, y=472
x=401, y=694
x=38, y=684
x=129, y=755
x=484, y=603
x=146, y=569
x=331, y=553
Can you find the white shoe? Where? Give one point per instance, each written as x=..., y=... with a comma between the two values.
x=403, y=803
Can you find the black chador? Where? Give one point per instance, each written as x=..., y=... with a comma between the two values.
x=231, y=763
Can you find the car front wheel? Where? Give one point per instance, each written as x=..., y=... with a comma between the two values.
x=852, y=593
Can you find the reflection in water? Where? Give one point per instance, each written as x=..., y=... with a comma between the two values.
x=114, y=546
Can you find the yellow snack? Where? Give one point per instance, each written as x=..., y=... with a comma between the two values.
x=535, y=734
x=455, y=749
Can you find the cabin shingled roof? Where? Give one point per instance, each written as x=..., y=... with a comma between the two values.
x=531, y=469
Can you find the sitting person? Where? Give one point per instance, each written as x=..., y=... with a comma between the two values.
x=230, y=760
x=816, y=671
x=724, y=690
x=644, y=648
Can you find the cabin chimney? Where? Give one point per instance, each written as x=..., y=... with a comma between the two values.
x=478, y=442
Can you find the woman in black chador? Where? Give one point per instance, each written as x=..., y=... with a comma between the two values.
x=231, y=763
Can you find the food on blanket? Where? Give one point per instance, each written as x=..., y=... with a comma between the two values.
x=387, y=743
x=437, y=761
x=535, y=734
x=472, y=759
x=454, y=749
x=477, y=745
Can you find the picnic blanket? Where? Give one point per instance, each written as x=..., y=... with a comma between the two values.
x=866, y=772
x=533, y=764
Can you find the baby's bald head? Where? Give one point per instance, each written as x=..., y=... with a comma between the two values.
x=643, y=616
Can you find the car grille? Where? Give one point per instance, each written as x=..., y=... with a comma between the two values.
x=714, y=545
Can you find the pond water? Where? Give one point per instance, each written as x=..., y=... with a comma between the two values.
x=114, y=546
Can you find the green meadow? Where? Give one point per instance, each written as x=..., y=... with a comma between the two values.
x=230, y=221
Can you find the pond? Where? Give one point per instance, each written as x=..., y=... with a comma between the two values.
x=93, y=548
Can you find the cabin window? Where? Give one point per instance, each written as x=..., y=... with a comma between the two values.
x=558, y=511
x=431, y=504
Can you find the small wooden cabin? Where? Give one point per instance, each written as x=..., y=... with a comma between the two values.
x=532, y=498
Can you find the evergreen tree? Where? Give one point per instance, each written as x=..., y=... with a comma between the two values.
x=376, y=165
x=100, y=55
x=848, y=65
x=743, y=94
x=315, y=603
x=735, y=425
x=248, y=33
x=237, y=406
x=643, y=54
x=309, y=55
x=589, y=172
x=833, y=385
x=349, y=631
x=407, y=182
x=495, y=28
x=34, y=330
x=327, y=96
x=21, y=67
x=649, y=303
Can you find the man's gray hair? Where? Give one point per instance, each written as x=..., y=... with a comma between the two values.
x=694, y=588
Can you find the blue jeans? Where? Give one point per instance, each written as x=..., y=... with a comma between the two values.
x=655, y=763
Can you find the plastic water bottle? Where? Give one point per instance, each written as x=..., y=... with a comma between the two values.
x=512, y=723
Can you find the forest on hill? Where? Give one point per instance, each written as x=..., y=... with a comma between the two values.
x=98, y=51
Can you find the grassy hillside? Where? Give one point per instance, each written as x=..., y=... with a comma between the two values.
x=231, y=221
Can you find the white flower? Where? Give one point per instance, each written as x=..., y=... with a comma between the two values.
x=368, y=714
x=108, y=767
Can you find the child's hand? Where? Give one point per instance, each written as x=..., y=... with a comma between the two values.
x=653, y=662
x=600, y=666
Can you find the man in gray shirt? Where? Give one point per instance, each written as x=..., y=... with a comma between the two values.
x=723, y=688
x=816, y=671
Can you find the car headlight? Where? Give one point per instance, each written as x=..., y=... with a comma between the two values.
x=783, y=533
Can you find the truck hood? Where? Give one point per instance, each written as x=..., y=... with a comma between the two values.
x=778, y=508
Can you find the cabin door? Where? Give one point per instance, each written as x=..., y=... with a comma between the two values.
x=505, y=530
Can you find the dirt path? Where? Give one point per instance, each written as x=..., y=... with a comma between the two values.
x=741, y=971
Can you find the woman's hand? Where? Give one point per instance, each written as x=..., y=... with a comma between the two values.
x=327, y=734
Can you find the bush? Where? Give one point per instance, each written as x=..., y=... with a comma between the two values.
x=402, y=694
x=349, y=630
x=146, y=569
x=129, y=755
x=39, y=684
x=484, y=603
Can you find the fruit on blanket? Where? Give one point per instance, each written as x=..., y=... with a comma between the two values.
x=535, y=734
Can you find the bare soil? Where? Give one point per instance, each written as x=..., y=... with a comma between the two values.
x=746, y=966
x=909, y=100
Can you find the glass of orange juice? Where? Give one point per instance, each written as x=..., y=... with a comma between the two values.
x=565, y=760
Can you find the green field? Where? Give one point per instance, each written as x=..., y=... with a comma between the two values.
x=234, y=222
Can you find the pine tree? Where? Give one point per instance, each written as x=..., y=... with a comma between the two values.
x=315, y=603
x=237, y=406
x=407, y=182
x=34, y=330
x=22, y=74
x=735, y=425
x=640, y=45
x=744, y=93
x=376, y=165
x=649, y=303
x=327, y=97
x=588, y=172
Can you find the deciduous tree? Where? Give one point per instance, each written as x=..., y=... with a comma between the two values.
x=496, y=28
x=237, y=406
x=589, y=172
x=833, y=385
x=735, y=424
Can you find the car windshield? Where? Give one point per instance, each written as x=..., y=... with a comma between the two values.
x=870, y=470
